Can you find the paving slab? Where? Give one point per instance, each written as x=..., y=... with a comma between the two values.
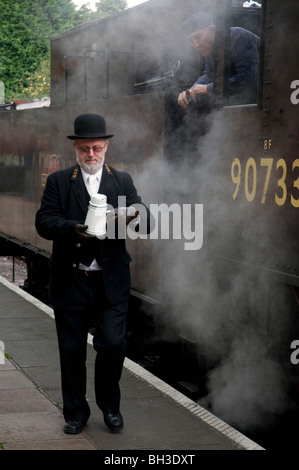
x=29, y=420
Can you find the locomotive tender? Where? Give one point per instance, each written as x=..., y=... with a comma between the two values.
x=228, y=311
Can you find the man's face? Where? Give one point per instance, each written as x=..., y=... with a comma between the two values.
x=90, y=153
x=203, y=40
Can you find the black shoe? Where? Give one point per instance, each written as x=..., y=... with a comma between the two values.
x=73, y=427
x=114, y=421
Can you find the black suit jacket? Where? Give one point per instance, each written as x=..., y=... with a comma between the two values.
x=64, y=204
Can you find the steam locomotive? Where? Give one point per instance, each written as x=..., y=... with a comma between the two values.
x=217, y=321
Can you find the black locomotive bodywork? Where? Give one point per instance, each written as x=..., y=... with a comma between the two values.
x=235, y=296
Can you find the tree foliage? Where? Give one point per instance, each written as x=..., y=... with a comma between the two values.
x=26, y=27
x=108, y=7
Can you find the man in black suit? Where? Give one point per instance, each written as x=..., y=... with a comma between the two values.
x=89, y=277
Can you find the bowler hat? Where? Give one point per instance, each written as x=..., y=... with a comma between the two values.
x=89, y=126
x=196, y=22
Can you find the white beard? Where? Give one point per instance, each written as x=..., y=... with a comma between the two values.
x=90, y=168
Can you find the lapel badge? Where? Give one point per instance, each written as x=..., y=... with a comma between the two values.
x=74, y=175
x=107, y=168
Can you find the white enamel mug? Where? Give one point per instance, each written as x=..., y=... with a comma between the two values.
x=96, y=216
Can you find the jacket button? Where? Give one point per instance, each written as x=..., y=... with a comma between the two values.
x=74, y=265
x=78, y=245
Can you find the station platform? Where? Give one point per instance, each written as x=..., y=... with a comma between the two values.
x=156, y=417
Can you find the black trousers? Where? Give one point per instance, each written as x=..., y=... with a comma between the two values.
x=88, y=304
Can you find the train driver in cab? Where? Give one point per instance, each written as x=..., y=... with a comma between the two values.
x=200, y=30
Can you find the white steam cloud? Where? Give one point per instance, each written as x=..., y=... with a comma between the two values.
x=225, y=312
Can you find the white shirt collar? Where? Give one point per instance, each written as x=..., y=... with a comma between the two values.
x=98, y=174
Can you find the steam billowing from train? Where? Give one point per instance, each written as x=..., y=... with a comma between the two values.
x=224, y=311
x=219, y=305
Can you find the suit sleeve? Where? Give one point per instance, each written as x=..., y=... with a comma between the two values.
x=50, y=222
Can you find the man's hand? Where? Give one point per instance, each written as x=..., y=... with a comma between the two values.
x=185, y=97
x=198, y=90
x=80, y=230
x=122, y=214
